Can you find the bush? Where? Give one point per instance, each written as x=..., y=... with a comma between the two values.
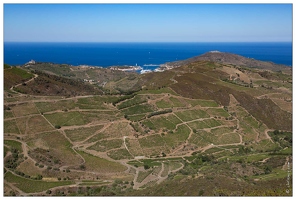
x=39, y=177
x=57, y=126
x=82, y=167
x=267, y=169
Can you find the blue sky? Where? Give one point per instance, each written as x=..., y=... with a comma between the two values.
x=148, y=22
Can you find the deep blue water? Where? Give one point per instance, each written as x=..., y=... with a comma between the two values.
x=142, y=54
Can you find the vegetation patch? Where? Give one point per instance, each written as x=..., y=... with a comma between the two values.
x=14, y=144
x=136, y=118
x=142, y=175
x=105, y=145
x=164, y=90
x=93, y=103
x=138, y=99
x=59, y=146
x=174, y=165
x=176, y=102
x=163, y=104
x=37, y=124
x=151, y=141
x=221, y=130
x=24, y=109
x=220, y=112
x=202, y=138
x=178, y=137
x=14, y=76
x=32, y=186
x=119, y=154
x=190, y=115
x=284, y=139
x=138, y=109
x=198, y=125
x=264, y=146
x=10, y=126
x=202, y=103
x=228, y=138
x=101, y=165
x=22, y=124
x=80, y=134
x=63, y=105
x=160, y=112
x=29, y=168
x=66, y=118
x=52, y=85
x=115, y=130
x=134, y=147
x=165, y=171
x=8, y=114
x=162, y=123
x=212, y=122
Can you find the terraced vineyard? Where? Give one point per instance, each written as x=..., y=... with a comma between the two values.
x=119, y=143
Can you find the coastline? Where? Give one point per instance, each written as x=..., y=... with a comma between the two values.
x=147, y=55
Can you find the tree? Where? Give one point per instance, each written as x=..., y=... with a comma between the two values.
x=146, y=167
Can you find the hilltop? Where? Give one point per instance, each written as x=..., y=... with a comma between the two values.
x=233, y=59
x=201, y=128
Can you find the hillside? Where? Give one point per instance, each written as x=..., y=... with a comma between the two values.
x=233, y=59
x=203, y=128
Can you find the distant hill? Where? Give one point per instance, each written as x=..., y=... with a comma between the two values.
x=233, y=59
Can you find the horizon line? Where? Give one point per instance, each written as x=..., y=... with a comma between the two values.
x=147, y=41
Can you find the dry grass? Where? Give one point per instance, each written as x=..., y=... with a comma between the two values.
x=8, y=114
x=24, y=109
x=217, y=112
x=80, y=134
x=119, y=154
x=59, y=147
x=105, y=145
x=28, y=167
x=10, y=126
x=134, y=147
x=56, y=105
x=228, y=138
x=115, y=130
x=284, y=105
x=66, y=118
x=189, y=115
x=37, y=124
x=202, y=138
x=96, y=164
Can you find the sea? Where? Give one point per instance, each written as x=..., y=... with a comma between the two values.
x=148, y=56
